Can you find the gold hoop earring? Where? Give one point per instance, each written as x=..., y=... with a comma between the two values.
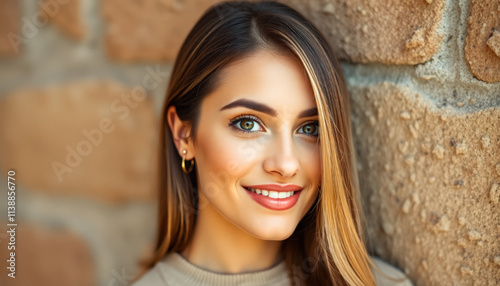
x=184, y=163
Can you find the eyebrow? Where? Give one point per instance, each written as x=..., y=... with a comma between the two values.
x=250, y=104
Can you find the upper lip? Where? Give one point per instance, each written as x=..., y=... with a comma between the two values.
x=276, y=188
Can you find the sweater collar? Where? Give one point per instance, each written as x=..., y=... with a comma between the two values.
x=180, y=271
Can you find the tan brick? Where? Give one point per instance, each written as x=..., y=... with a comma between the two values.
x=66, y=16
x=48, y=256
x=386, y=31
x=44, y=136
x=483, y=20
x=9, y=25
x=151, y=30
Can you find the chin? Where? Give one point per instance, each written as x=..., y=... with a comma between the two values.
x=274, y=235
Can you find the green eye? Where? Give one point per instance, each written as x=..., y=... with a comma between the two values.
x=247, y=124
x=310, y=129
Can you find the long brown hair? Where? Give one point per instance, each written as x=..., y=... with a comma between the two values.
x=327, y=247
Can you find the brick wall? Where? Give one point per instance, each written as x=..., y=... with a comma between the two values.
x=81, y=87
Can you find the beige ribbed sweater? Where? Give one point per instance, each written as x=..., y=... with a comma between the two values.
x=175, y=270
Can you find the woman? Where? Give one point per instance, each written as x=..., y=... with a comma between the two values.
x=258, y=184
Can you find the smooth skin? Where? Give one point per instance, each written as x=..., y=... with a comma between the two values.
x=233, y=233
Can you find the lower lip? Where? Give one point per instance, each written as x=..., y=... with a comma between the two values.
x=275, y=204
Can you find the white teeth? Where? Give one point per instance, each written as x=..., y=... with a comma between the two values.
x=273, y=194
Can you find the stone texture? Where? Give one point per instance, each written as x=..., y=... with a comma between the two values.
x=149, y=30
x=48, y=256
x=426, y=178
x=494, y=43
x=483, y=21
x=66, y=16
x=92, y=139
x=9, y=23
x=390, y=32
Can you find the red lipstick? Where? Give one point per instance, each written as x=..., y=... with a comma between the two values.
x=278, y=204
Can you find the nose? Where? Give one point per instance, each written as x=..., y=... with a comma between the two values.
x=282, y=159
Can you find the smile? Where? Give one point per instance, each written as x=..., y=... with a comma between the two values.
x=279, y=199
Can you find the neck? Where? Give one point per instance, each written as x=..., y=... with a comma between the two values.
x=220, y=246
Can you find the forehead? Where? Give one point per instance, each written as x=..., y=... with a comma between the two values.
x=278, y=80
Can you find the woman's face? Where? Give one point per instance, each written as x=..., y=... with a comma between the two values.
x=259, y=127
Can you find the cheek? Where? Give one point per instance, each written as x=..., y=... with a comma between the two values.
x=312, y=170
x=317, y=165
x=311, y=164
x=219, y=152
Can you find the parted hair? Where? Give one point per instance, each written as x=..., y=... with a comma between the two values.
x=328, y=245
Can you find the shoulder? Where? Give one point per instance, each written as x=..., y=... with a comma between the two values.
x=390, y=271
x=152, y=277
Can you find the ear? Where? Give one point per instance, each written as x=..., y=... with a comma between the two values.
x=180, y=133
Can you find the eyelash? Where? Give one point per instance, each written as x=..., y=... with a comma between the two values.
x=237, y=119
